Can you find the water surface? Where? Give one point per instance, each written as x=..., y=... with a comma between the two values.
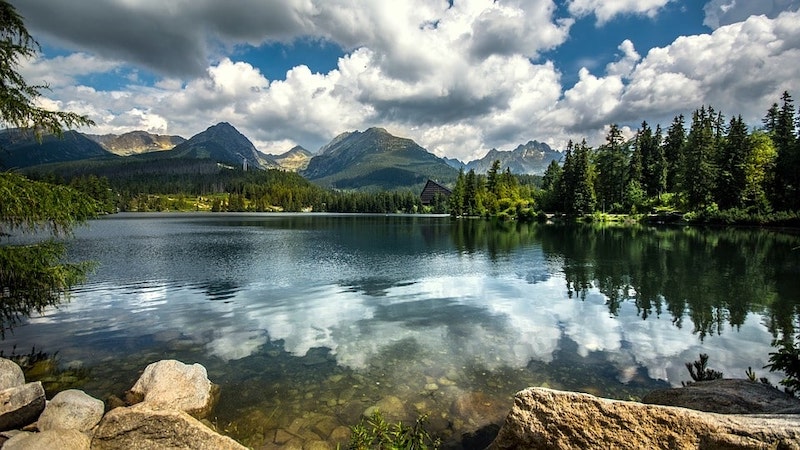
x=306, y=321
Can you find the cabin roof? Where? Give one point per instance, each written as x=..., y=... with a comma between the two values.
x=430, y=190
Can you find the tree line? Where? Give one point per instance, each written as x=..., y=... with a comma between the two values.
x=716, y=168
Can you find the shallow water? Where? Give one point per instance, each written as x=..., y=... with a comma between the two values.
x=307, y=321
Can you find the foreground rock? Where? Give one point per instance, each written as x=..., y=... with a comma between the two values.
x=144, y=428
x=10, y=374
x=21, y=405
x=167, y=393
x=548, y=419
x=175, y=385
x=49, y=440
x=71, y=410
x=727, y=396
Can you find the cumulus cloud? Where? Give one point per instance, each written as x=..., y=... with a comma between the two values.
x=691, y=71
x=606, y=10
x=176, y=37
x=459, y=79
x=726, y=12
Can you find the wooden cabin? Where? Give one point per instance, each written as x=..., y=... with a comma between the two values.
x=430, y=190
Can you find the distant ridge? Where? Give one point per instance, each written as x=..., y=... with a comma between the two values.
x=531, y=158
x=224, y=144
x=375, y=159
x=136, y=142
x=295, y=160
x=20, y=149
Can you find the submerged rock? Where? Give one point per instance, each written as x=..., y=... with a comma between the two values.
x=175, y=385
x=143, y=427
x=547, y=419
x=727, y=396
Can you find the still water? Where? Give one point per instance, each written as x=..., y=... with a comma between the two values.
x=307, y=321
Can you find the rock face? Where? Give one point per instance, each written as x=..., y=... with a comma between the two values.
x=21, y=405
x=171, y=384
x=548, y=419
x=71, y=409
x=727, y=396
x=47, y=440
x=144, y=428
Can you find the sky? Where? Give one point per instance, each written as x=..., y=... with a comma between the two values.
x=458, y=77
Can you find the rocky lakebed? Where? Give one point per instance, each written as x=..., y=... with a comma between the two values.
x=170, y=403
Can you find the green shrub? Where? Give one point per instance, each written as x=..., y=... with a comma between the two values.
x=375, y=433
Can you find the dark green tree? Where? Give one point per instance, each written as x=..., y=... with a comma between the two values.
x=732, y=164
x=673, y=150
x=700, y=171
x=786, y=183
x=457, y=196
x=576, y=184
x=612, y=164
x=32, y=277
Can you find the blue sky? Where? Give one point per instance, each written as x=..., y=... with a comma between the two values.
x=459, y=77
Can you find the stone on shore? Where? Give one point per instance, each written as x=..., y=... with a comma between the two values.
x=71, y=409
x=727, y=396
x=10, y=374
x=21, y=405
x=548, y=419
x=146, y=428
x=49, y=440
x=174, y=385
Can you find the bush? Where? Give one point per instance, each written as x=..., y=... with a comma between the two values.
x=375, y=433
x=787, y=360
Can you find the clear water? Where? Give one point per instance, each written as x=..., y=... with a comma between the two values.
x=307, y=321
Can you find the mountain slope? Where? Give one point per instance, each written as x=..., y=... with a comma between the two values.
x=20, y=149
x=294, y=160
x=221, y=143
x=374, y=159
x=531, y=158
x=136, y=142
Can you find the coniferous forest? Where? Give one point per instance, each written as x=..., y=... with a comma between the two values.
x=711, y=168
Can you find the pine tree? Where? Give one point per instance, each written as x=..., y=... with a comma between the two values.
x=731, y=162
x=700, y=171
x=786, y=183
x=611, y=161
x=673, y=150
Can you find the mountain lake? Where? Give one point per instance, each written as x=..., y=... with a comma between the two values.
x=307, y=321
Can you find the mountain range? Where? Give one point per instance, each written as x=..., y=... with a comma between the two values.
x=372, y=159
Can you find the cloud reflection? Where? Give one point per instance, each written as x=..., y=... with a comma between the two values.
x=493, y=321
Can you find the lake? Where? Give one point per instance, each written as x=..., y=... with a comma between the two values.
x=306, y=321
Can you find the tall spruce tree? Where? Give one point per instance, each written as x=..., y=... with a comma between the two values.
x=700, y=171
x=786, y=183
x=611, y=162
x=673, y=150
x=732, y=164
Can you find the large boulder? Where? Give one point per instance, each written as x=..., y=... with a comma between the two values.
x=71, y=409
x=172, y=384
x=10, y=374
x=548, y=419
x=21, y=405
x=143, y=428
x=49, y=440
x=727, y=396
